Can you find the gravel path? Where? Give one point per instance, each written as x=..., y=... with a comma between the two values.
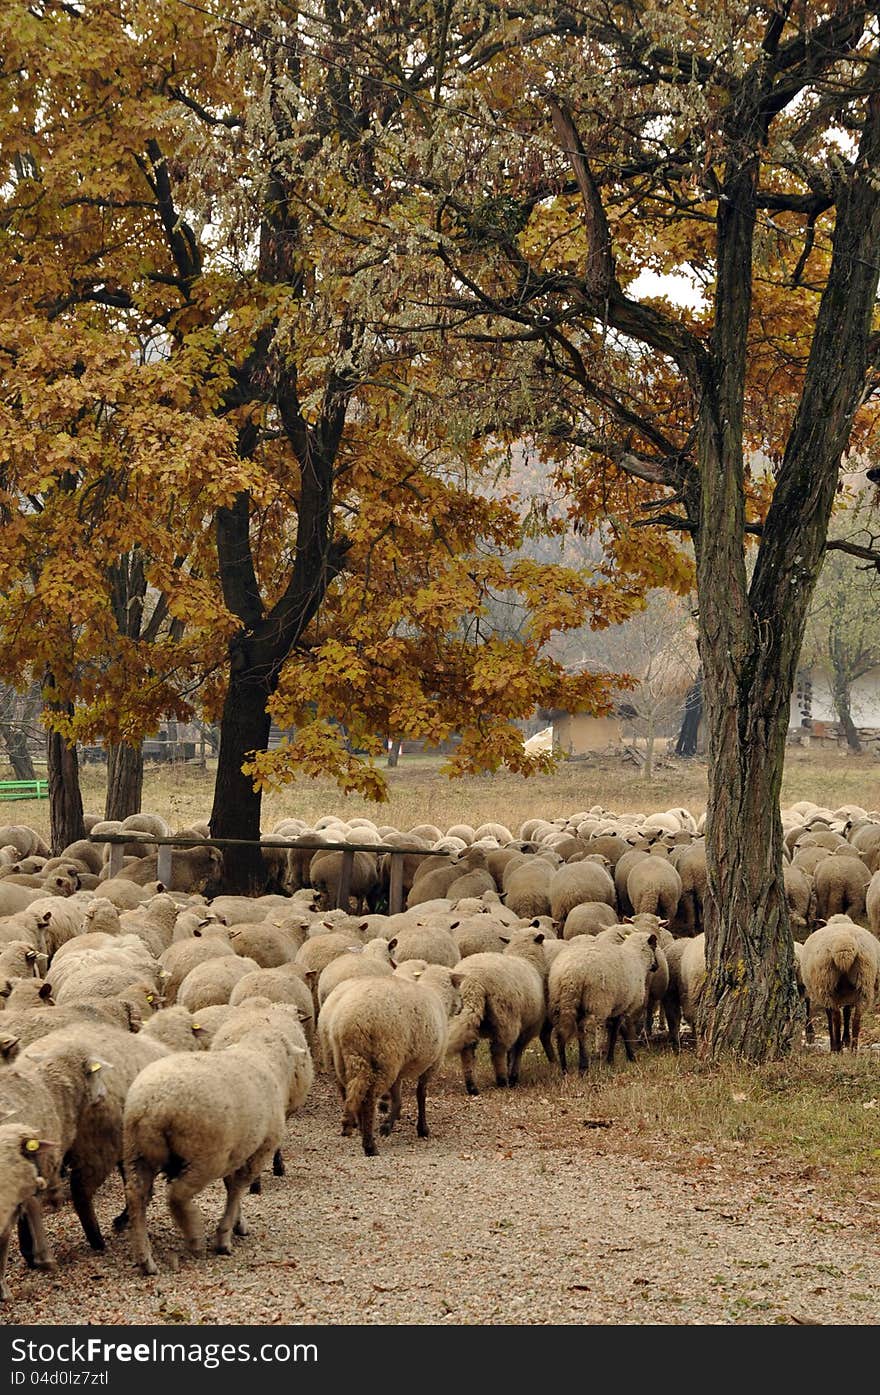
x=516, y=1211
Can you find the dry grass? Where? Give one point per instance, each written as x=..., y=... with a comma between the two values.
x=419, y=793
x=814, y=1113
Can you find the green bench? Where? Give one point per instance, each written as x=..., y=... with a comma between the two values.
x=24, y=789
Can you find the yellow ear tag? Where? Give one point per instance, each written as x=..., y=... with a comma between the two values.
x=94, y=1066
x=32, y=1145
x=149, y=997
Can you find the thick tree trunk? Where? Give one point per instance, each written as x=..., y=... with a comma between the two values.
x=648, y=767
x=15, y=741
x=244, y=728
x=686, y=745
x=750, y=1007
x=125, y=780
x=842, y=706
x=65, y=799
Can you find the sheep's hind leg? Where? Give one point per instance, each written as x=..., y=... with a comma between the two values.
x=583, y=1053
x=394, y=1111
x=514, y=1057
x=4, y=1253
x=367, y=1122
x=139, y=1181
x=82, y=1205
x=185, y=1215
x=834, y=1028
x=468, y=1058
x=613, y=1029
x=499, y=1063
x=847, y=1017
x=560, y=1050
x=421, y=1096
x=629, y=1038
x=236, y=1185
x=546, y=1038
x=856, y=1028
x=32, y=1239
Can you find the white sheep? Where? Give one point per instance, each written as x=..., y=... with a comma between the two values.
x=200, y=1117
x=840, y=967
x=503, y=1000
x=601, y=981
x=377, y=1032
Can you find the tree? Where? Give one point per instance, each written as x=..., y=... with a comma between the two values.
x=739, y=146
x=234, y=196
x=17, y=727
x=843, y=629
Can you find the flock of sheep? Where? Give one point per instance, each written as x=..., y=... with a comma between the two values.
x=150, y=1029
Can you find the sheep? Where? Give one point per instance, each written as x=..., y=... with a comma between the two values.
x=799, y=895
x=201, y=1116
x=23, y=1158
x=15, y=900
x=210, y=1019
x=576, y=882
x=690, y=863
x=840, y=885
x=213, y=981
x=26, y=840
x=502, y=999
x=808, y=859
x=101, y=980
x=473, y=883
x=478, y=934
x=154, y=921
x=588, y=918
x=373, y=961
x=599, y=980
x=690, y=979
x=192, y=869
x=77, y=1077
x=20, y=959
x=247, y=910
x=286, y=984
x=325, y=875
x=654, y=885
x=27, y=994
x=434, y=882
x=245, y=1024
x=180, y=958
x=610, y=845
x=430, y=942
x=267, y=944
x=177, y=1029
x=621, y=872
x=672, y=998
x=840, y=967
x=527, y=887
x=379, y=1032
x=320, y=950
x=27, y=1026
x=86, y=852
x=872, y=905
x=127, y=895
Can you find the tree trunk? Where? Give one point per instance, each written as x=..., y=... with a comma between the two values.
x=65, y=799
x=15, y=741
x=843, y=708
x=244, y=728
x=125, y=780
x=750, y=1006
x=648, y=768
x=686, y=745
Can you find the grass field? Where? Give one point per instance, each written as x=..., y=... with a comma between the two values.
x=420, y=793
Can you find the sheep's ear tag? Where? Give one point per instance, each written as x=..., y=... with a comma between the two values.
x=33, y=1145
x=151, y=997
